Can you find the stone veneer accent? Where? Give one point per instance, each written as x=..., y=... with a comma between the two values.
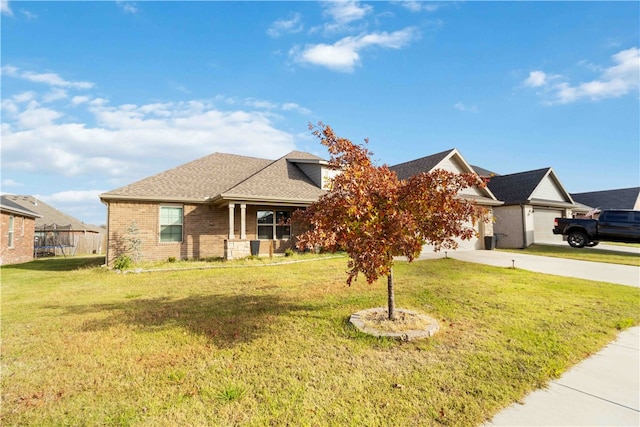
x=236, y=249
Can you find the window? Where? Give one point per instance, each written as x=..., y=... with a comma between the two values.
x=274, y=223
x=170, y=224
x=10, y=229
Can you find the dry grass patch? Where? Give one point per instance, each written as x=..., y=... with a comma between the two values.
x=405, y=321
x=273, y=346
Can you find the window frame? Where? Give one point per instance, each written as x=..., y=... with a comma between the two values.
x=277, y=229
x=161, y=224
x=11, y=232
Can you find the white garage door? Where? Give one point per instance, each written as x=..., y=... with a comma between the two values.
x=474, y=243
x=543, y=226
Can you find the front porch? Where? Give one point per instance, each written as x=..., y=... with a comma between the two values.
x=258, y=229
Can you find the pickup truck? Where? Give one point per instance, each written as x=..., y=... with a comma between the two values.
x=612, y=225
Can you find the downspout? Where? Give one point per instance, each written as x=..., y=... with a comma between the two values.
x=107, y=240
x=524, y=227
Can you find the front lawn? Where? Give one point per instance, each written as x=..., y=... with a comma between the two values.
x=272, y=345
x=584, y=254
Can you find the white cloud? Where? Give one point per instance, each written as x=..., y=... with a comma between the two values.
x=11, y=183
x=80, y=100
x=127, y=6
x=37, y=117
x=51, y=79
x=55, y=94
x=128, y=140
x=344, y=54
x=617, y=80
x=419, y=6
x=5, y=8
x=286, y=26
x=292, y=106
x=28, y=15
x=344, y=12
x=536, y=79
x=465, y=108
x=71, y=196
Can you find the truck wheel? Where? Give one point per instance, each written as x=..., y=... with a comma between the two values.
x=577, y=239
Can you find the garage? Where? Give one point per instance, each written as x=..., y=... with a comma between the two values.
x=543, y=225
x=475, y=243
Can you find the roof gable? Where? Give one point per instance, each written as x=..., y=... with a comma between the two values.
x=282, y=180
x=424, y=164
x=450, y=160
x=523, y=187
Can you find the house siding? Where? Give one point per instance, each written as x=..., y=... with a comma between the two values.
x=23, y=234
x=548, y=190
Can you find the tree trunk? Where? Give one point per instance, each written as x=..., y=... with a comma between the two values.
x=391, y=296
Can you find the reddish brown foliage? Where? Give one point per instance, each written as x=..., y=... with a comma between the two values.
x=373, y=216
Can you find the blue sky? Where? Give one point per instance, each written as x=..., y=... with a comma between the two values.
x=96, y=95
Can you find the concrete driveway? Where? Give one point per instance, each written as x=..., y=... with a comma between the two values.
x=612, y=273
x=603, y=390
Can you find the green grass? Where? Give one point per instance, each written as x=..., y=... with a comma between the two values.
x=272, y=345
x=584, y=254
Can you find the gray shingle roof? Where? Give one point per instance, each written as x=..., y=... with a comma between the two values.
x=485, y=173
x=222, y=176
x=414, y=167
x=280, y=180
x=50, y=215
x=6, y=204
x=623, y=198
x=199, y=180
x=516, y=187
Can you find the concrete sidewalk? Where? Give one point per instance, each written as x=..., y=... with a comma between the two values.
x=603, y=390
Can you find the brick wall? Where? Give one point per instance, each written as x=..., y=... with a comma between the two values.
x=23, y=233
x=205, y=229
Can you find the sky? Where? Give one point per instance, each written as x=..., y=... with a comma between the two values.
x=99, y=94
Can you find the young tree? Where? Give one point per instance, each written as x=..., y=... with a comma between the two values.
x=374, y=216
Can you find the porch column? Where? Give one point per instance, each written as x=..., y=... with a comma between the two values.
x=243, y=221
x=232, y=208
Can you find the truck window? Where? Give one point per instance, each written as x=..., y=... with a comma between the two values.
x=617, y=216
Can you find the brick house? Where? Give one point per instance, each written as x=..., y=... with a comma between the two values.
x=57, y=233
x=17, y=226
x=452, y=161
x=214, y=206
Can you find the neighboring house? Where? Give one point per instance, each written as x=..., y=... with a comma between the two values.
x=17, y=225
x=57, y=233
x=532, y=200
x=215, y=206
x=452, y=161
x=623, y=198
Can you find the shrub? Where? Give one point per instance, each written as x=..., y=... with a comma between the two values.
x=122, y=262
x=172, y=259
x=288, y=252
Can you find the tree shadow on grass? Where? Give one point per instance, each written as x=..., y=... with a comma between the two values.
x=226, y=320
